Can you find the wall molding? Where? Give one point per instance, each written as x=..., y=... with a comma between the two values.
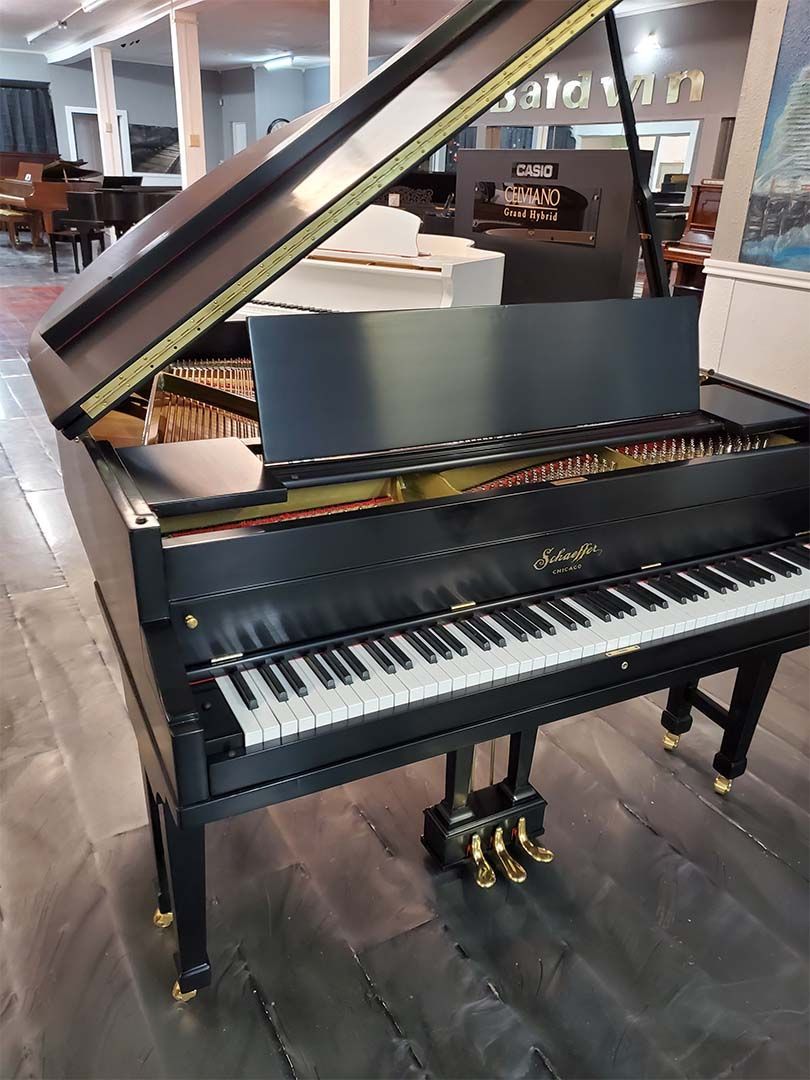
x=759, y=275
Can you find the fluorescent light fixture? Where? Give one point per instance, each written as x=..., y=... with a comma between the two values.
x=648, y=44
x=276, y=63
x=91, y=5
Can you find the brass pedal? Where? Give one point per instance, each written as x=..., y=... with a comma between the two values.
x=533, y=850
x=671, y=741
x=178, y=994
x=162, y=919
x=511, y=867
x=484, y=874
x=722, y=785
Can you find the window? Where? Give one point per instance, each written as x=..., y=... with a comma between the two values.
x=26, y=118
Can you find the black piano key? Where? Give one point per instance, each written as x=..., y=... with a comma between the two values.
x=276, y=686
x=525, y=622
x=657, y=599
x=511, y=628
x=687, y=588
x=332, y=660
x=639, y=596
x=759, y=576
x=489, y=631
x=668, y=589
x=421, y=646
x=449, y=638
x=591, y=605
x=322, y=673
x=572, y=613
x=396, y=654
x=537, y=620
x=624, y=604
x=798, y=552
x=286, y=669
x=467, y=628
x=785, y=556
x=552, y=608
x=385, y=662
x=740, y=573
x=436, y=643
x=715, y=581
x=778, y=566
x=609, y=603
x=768, y=574
x=355, y=663
x=695, y=585
x=710, y=580
x=242, y=688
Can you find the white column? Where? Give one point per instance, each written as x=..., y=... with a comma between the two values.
x=188, y=95
x=111, y=160
x=348, y=45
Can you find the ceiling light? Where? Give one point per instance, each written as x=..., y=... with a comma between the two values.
x=91, y=5
x=61, y=25
x=648, y=44
x=276, y=63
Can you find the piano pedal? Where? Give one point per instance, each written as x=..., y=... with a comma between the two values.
x=511, y=867
x=671, y=741
x=178, y=994
x=484, y=874
x=533, y=850
x=162, y=919
x=722, y=785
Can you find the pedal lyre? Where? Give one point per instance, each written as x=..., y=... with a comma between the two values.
x=511, y=867
x=484, y=874
x=533, y=850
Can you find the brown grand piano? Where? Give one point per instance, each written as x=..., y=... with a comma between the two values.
x=695, y=245
x=40, y=190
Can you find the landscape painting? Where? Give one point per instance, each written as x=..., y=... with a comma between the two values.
x=777, y=226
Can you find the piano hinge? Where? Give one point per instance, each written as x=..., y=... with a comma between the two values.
x=621, y=652
x=463, y=605
x=651, y=566
x=225, y=659
x=569, y=480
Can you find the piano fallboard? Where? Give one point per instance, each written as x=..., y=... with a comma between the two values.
x=312, y=579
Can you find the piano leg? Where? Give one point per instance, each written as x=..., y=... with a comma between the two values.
x=184, y=852
x=747, y=700
x=163, y=915
x=471, y=823
x=677, y=716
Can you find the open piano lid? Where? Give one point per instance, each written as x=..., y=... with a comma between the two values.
x=216, y=244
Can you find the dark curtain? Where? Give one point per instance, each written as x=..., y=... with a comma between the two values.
x=26, y=118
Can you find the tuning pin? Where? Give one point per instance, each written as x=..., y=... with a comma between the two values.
x=510, y=866
x=484, y=874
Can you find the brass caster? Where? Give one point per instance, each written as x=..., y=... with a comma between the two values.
x=511, y=867
x=484, y=874
x=178, y=994
x=722, y=785
x=534, y=851
x=671, y=741
x=162, y=919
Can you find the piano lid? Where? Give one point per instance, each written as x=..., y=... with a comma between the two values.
x=216, y=244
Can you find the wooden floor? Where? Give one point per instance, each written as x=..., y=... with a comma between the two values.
x=669, y=938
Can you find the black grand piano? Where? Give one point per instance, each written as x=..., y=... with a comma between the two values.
x=327, y=545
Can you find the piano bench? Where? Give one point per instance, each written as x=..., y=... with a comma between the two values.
x=11, y=220
x=66, y=236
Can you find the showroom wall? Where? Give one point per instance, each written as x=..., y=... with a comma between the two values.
x=146, y=91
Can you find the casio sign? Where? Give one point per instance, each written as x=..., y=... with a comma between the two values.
x=536, y=170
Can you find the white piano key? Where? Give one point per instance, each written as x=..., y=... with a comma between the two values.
x=322, y=710
x=384, y=693
x=251, y=728
x=265, y=713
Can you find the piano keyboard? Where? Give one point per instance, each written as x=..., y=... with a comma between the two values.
x=280, y=700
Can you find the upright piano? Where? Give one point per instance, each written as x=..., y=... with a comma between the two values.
x=447, y=526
